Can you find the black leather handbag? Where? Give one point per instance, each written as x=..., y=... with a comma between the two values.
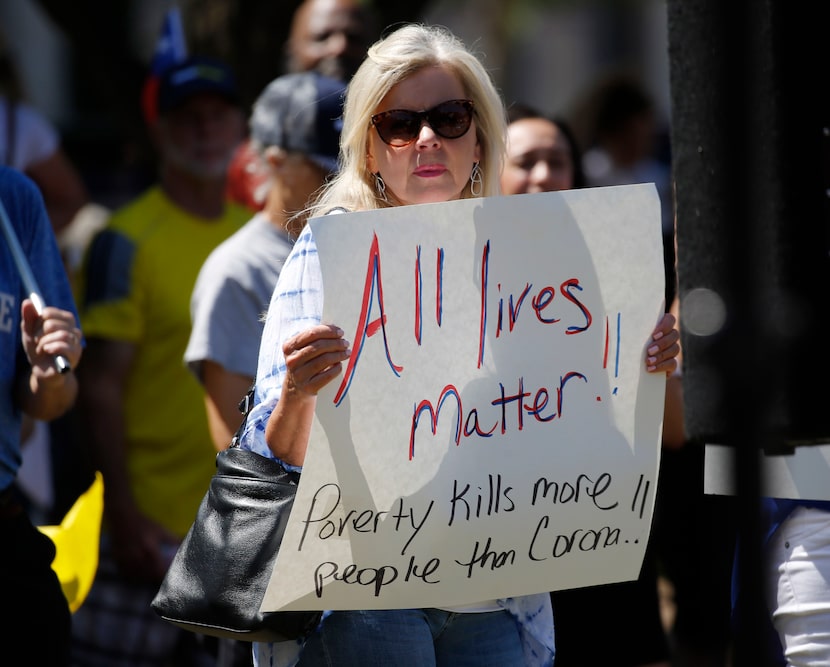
x=218, y=577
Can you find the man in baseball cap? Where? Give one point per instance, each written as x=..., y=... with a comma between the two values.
x=295, y=130
x=300, y=113
x=193, y=76
x=135, y=283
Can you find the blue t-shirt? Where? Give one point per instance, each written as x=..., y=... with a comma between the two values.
x=26, y=212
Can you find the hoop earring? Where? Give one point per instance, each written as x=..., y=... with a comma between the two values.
x=380, y=187
x=476, y=181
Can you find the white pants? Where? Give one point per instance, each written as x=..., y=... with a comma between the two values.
x=798, y=586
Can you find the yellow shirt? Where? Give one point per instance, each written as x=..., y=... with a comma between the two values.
x=136, y=287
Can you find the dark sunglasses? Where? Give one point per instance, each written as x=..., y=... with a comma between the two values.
x=400, y=127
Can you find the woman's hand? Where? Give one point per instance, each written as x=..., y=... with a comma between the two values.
x=664, y=346
x=313, y=358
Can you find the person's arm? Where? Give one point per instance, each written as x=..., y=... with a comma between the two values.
x=136, y=540
x=224, y=338
x=43, y=392
x=297, y=357
x=64, y=192
x=224, y=390
x=662, y=352
x=674, y=429
x=674, y=425
x=103, y=384
x=662, y=356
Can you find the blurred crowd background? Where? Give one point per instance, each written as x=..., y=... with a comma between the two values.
x=83, y=63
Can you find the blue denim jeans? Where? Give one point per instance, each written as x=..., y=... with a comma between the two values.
x=414, y=638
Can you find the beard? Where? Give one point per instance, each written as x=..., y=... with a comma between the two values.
x=189, y=162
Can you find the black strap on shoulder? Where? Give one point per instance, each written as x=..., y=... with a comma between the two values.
x=245, y=406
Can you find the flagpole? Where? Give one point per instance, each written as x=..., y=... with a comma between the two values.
x=29, y=283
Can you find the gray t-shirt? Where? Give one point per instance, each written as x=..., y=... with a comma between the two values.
x=231, y=297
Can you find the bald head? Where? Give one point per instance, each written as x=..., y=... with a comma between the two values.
x=329, y=36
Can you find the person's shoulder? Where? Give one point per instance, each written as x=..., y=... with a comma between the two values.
x=256, y=245
x=237, y=212
x=19, y=193
x=143, y=198
x=26, y=110
x=141, y=212
x=305, y=237
x=30, y=119
x=240, y=240
x=15, y=181
x=221, y=260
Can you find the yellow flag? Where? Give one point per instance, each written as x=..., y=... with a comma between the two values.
x=76, y=543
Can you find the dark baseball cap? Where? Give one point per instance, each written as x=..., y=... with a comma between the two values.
x=301, y=112
x=194, y=76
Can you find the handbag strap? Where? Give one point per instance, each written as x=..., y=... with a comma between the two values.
x=245, y=406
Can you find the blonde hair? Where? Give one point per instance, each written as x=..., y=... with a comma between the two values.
x=389, y=61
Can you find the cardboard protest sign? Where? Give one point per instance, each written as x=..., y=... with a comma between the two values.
x=494, y=432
